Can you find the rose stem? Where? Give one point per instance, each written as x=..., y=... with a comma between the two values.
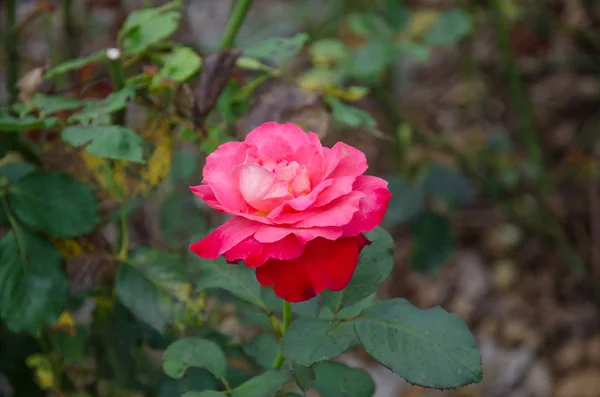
x=118, y=78
x=235, y=21
x=287, y=319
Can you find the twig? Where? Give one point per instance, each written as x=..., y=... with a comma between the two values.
x=12, y=53
x=519, y=95
x=71, y=44
x=118, y=78
x=235, y=21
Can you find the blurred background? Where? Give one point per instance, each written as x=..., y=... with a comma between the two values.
x=483, y=115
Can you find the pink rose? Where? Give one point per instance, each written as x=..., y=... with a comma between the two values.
x=299, y=209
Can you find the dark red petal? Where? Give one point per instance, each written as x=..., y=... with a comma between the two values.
x=254, y=253
x=325, y=264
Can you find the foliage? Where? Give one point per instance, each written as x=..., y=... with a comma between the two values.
x=106, y=312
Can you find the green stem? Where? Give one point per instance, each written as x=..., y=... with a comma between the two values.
x=71, y=46
x=518, y=93
x=118, y=78
x=12, y=53
x=235, y=21
x=287, y=320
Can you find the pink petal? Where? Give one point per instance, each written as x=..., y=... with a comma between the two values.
x=311, y=156
x=337, y=188
x=301, y=203
x=225, y=237
x=337, y=213
x=206, y=194
x=269, y=234
x=254, y=253
x=277, y=141
x=372, y=206
x=218, y=173
x=345, y=160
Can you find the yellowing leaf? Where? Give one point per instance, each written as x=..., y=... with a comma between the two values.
x=420, y=23
x=350, y=94
x=117, y=179
x=42, y=366
x=65, y=323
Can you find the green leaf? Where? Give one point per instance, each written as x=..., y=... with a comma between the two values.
x=98, y=112
x=374, y=266
x=12, y=172
x=449, y=28
x=154, y=286
x=75, y=64
x=406, y=203
x=50, y=104
x=263, y=349
x=237, y=279
x=355, y=309
x=33, y=289
x=71, y=347
x=303, y=375
x=334, y=379
x=10, y=123
x=55, y=204
x=447, y=185
x=194, y=352
x=308, y=308
x=369, y=25
x=141, y=17
x=429, y=348
x=367, y=63
x=110, y=141
x=309, y=340
x=263, y=385
x=397, y=15
x=417, y=51
x=328, y=51
x=433, y=241
x=146, y=27
x=278, y=49
x=179, y=65
x=352, y=116
x=206, y=393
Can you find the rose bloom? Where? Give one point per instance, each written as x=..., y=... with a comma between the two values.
x=299, y=209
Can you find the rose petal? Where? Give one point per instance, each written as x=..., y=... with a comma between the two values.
x=300, y=203
x=218, y=172
x=255, y=253
x=206, y=194
x=337, y=188
x=372, y=206
x=270, y=234
x=324, y=265
x=225, y=237
x=277, y=141
x=337, y=213
x=311, y=156
x=345, y=160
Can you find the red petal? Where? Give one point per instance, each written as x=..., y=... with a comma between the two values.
x=224, y=238
x=254, y=253
x=325, y=264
